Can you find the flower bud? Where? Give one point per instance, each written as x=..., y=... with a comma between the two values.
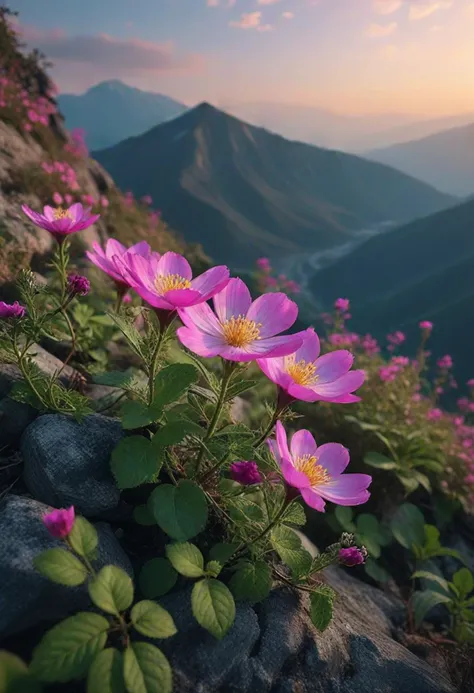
x=78, y=285
x=59, y=523
x=246, y=473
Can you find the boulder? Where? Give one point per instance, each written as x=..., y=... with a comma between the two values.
x=26, y=597
x=68, y=463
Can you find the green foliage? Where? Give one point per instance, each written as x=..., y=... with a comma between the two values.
x=61, y=566
x=111, y=590
x=135, y=461
x=322, y=606
x=14, y=675
x=83, y=538
x=157, y=577
x=213, y=606
x=180, y=511
x=288, y=546
x=68, y=649
x=186, y=559
x=152, y=620
x=423, y=602
x=106, y=672
x=146, y=669
x=251, y=581
x=408, y=526
x=222, y=552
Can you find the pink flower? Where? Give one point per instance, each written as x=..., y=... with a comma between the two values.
x=246, y=473
x=127, y=298
x=240, y=330
x=434, y=415
x=104, y=202
x=68, y=198
x=166, y=282
x=318, y=472
x=352, y=556
x=104, y=259
x=342, y=305
x=426, y=325
x=470, y=383
x=62, y=222
x=396, y=338
x=59, y=523
x=307, y=376
x=388, y=373
x=57, y=198
x=13, y=310
x=263, y=263
x=147, y=200
x=445, y=362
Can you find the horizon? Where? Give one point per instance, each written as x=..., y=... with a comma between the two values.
x=407, y=58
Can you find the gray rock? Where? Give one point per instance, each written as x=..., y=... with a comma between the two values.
x=14, y=418
x=274, y=648
x=27, y=598
x=67, y=463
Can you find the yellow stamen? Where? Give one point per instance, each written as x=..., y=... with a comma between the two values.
x=308, y=465
x=240, y=331
x=61, y=213
x=171, y=282
x=302, y=373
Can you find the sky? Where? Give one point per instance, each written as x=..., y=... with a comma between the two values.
x=348, y=56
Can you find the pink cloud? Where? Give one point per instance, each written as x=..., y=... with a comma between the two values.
x=248, y=20
x=267, y=2
x=423, y=9
x=288, y=15
x=387, y=6
x=381, y=30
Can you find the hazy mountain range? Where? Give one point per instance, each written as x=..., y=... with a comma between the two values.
x=112, y=111
x=445, y=159
x=244, y=192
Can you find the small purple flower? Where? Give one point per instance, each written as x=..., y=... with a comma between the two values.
x=78, y=285
x=59, y=523
x=426, y=325
x=62, y=222
x=11, y=310
x=342, y=305
x=445, y=362
x=352, y=556
x=246, y=473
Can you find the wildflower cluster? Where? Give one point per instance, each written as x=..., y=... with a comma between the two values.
x=267, y=281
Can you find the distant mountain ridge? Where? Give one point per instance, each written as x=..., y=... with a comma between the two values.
x=445, y=159
x=112, y=111
x=244, y=192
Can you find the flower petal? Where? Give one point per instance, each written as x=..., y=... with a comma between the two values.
x=181, y=298
x=342, y=386
x=113, y=247
x=275, y=312
x=143, y=248
x=305, y=394
x=275, y=346
x=310, y=348
x=105, y=265
x=273, y=447
x=332, y=366
x=302, y=443
x=172, y=263
x=211, y=282
x=200, y=343
x=346, y=489
x=49, y=212
x=292, y=476
x=334, y=457
x=313, y=499
x=77, y=212
x=233, y=300
x=282, y=442
x=274, y=369
x=201, y=317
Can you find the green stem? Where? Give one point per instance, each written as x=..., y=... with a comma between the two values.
x=214, y=469
x=21, y=365
x=270, y=427
x=264, y=531
x=152, y=368
x=62, y=256
x=228, y=370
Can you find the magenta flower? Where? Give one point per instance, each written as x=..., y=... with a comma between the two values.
x=318, y=472
x=104, y=258
x=352, y=556
x=166, y=282
x=240, y=330
x=263, y=263
x=470, y=383
x=78, y=285
x=59, y=523
x=307, y=376
x=11, y=310
x=246, y=473
x=445, y=362
x=62, y=222
x=426, y=325
x=342, y=305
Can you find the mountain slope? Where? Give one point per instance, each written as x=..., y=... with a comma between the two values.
x=244, y=192
x=112, y=111
x=445, y=160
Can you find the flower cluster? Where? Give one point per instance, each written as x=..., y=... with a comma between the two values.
x=62, y=172
x=267, y=282
x=22, y=107
x=76, y=145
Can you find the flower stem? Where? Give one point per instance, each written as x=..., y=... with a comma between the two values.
x=264, y=531
x=228, y=370
x=278, y=412
x=62, y=268
x=152, y=367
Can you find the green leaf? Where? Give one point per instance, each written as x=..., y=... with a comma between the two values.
x=135, y=461
x=186, y=559
x=409, y=483
x=423, y=602
x=370, y=543
x=344, y=516
x=443, y=551
x=146, y=669
x=213, y=569
x=105, y=674
x=157, y=577
x=432, y=577
x=152, y=620
x=135, y=414
x=322, y=605
x=180, y=511
x=408, y=526
x=368, y=525
x=379, y=461
x=61, y=566
x=120, y=379
x=464, y=582
x=213, y=606
x=251, y=581
x=238, y=388
x=172, y=382
x=422, y=480
x=431, y=538
x=176, y=431
x=84, y=539
x=111, y=590
x=143, y=516
x=180, y=412
x=287, y=544
x=68, y=649
x=130, y=333
x=222, y=552
x=376, y=571
x=14, y=675
x=295, y=515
